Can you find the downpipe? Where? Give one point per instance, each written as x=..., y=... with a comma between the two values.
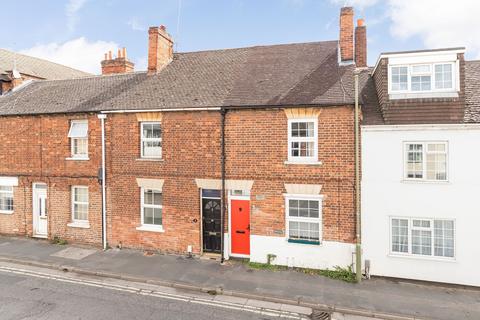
x=102, y=118
x=358, y=245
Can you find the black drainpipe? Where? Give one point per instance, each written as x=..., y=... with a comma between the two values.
x=223, y=112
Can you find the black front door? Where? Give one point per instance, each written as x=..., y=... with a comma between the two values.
x=211, y=225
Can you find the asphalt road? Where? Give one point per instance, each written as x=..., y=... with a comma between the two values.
x=29, y=297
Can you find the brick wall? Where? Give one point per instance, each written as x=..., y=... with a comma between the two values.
x=34, y=149
x=256, y=149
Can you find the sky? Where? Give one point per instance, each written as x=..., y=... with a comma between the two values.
x=77, y=33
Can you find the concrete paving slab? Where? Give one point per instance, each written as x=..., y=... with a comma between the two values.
x=74, y=253
x=231, y=299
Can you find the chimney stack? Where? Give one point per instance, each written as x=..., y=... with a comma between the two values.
x=361, y=44
x=160, y=49
x=346, y=34
x=118, y=65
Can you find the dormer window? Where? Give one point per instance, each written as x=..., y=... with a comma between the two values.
x=436, y=77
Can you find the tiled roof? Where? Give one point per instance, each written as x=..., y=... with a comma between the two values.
x=293, y=74
x=472, y=91
x=36, y=67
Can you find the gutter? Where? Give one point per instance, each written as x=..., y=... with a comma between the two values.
x=102, y=118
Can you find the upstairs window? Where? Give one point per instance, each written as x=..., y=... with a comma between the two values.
x=302, y=136
x=426, y=161
x=151, y=140
x=399, y=78
x=78, y=135
x=418, y=78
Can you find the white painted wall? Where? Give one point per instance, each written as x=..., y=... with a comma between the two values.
x=385, y=194
x=327, y=255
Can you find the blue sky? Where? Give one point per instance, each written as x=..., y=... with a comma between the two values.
x=78, y=32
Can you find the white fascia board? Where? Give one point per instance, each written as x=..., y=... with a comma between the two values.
x=418, y=56
x=421, y=127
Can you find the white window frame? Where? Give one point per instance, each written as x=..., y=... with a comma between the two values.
x=144, y=226
x=12, y=195
x=314, y=139
x=424, y=160
x=433, y=89
x=432, y=229
x=74, y=220
x=143, y=139
x=319, y=220
x=74, y=155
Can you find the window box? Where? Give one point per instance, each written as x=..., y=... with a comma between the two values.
x=303, y=241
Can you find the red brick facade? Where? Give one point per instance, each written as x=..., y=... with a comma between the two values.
x=35, y=149
x=256, y=149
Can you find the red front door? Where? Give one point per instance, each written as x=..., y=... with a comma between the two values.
x=240, y=227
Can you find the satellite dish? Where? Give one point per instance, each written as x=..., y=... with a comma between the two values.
x=16, y=74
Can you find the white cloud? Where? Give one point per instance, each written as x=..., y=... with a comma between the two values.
x=71, y=10
x=77, y=53
x=135, y=24
x=355, y=3
x=437, y=23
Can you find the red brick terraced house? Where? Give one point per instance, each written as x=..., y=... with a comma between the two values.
x=242, y=152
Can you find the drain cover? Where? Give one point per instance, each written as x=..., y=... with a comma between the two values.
x=320, y=315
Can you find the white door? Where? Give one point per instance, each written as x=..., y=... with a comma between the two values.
x=40, y=226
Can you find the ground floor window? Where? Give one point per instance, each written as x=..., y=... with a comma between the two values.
x=423, y=237
x=80, y=204
x=304, y=219
x=6, y=199
x=152, y=207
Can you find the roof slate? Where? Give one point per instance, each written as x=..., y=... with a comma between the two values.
x=472, y=91
x=37, y=67
x=292, y=74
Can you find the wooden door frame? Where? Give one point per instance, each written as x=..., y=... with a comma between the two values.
x=35, y=220
x=230, y=198
x=201, y=221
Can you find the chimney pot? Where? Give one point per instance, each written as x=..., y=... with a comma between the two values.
x=360, y=22
x=118, y=65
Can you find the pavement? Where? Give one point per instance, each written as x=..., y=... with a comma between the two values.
x=377, y=298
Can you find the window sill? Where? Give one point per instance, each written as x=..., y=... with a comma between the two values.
x=77, y=159
x=308, y=163
x=151, y=228
x=150, y=159
x=413, y=181
x=315, y=243
x=420, y=257
x=82, y=225
x=6, y=212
